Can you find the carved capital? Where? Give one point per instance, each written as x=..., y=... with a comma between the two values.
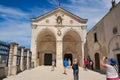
x=14, y=43
x=34, y=26
x=83, y=27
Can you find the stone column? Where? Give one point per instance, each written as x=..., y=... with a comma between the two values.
x=82, y=46
x=34, y=57
x=33, y=45
x=10, y=59
x=83, y=39
x=28, y=60
x=14, y=65
x=12, y=62
x=21, y=58
x=59, y=52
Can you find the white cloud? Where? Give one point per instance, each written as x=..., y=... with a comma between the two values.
x=15, y=26
x=12, y=11
x=37, y=11
x=55, y=2
x=19, y=32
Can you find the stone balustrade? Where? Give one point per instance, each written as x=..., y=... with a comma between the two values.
x=18, y=60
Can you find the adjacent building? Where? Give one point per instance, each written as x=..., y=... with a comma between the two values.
x=104, y=38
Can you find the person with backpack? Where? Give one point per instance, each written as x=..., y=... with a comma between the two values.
x=75, y=68
x=111, y=68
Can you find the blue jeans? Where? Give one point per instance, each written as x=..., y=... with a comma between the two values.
x=76, y=74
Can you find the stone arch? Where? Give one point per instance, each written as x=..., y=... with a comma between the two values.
x=72, y=29
x=45, y=30
x=46, y=47
x=97, y=61
x=112, y=44
x=72, y=45
x=114, y=49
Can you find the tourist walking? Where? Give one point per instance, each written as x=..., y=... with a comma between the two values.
x=111, y=66
x=75, y=69
x=65, y=64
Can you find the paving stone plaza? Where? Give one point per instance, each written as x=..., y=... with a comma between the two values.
x=45, y=73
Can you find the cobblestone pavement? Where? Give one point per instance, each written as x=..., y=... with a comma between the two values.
x=45, y=73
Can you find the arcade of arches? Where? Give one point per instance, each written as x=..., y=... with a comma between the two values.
x=46, y=47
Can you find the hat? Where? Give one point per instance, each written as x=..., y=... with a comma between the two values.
x=112, y=61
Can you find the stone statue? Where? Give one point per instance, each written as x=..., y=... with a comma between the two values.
x=113, y=3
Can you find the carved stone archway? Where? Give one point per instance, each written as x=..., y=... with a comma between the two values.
x=72, y=45
x=46, y=44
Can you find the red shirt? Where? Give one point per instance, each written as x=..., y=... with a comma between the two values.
x=85, y=61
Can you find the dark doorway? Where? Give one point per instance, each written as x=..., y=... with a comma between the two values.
x=118, y=59
x=48, y=59
x=68, y=56
x=97, y=61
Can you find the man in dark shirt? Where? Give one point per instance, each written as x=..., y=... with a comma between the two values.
x=75, y=69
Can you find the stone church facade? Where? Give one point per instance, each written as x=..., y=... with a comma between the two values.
x=57, y=35
x=104, y=38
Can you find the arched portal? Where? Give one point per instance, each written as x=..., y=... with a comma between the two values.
x=97, y=61
x=72, y=46
x=46, y=47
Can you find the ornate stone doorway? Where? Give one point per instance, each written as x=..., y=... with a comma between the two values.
x=48, y=59
x=72, y=46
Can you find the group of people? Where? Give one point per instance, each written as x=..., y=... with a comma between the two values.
x=88, y=64
x=109, y=63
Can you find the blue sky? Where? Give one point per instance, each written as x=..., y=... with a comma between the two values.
x=15, y=23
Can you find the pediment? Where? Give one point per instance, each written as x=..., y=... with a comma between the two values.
x=58, y=14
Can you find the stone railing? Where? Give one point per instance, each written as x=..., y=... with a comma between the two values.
x=13, y=59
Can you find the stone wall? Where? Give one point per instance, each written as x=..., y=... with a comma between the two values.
x=3, y=72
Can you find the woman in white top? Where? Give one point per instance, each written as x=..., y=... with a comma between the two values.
x=112, y=70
